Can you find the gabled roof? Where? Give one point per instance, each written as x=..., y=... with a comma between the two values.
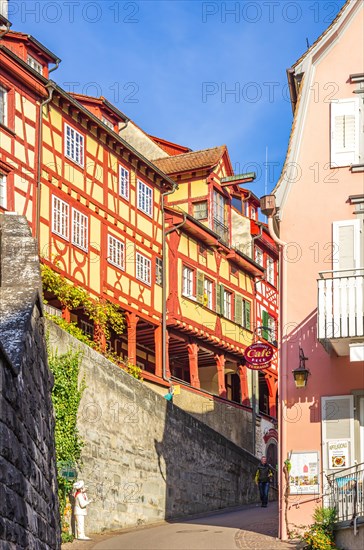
x=170, y=147
x=100, y=101
x=29, y=38
x=206, y=158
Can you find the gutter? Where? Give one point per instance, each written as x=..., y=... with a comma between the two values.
x=50, y=89
x=5, y=26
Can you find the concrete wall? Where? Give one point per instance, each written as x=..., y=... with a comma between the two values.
x=146, y=459
x=346, y=540
x=29, y=517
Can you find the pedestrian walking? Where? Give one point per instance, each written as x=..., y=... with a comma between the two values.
x=263, y=478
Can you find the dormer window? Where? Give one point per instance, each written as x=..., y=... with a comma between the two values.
x=34, y=64
x=107, y=122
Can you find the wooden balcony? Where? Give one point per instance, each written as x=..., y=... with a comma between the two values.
x=341, y=308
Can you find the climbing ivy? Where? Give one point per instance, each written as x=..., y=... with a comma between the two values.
x=66, y=397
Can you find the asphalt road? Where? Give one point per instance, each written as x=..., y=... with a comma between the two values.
x=249, y=527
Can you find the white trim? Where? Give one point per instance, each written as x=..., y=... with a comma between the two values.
x=143, y=268
x=115, y=247
x=356, y=224
x=4, y=121
x=60, y=217
x=361, y=437
x=79, y=230
x=325, y=440
x=124, y=182
x=3, y=191
x=145, y=198
x=74, y=145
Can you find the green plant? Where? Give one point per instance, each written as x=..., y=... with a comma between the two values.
x=320, y=535
x=66, y=397
x=72, y=329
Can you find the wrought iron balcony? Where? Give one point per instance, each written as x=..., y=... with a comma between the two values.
x=340, y=312
x=221, y=230
x=346, y=493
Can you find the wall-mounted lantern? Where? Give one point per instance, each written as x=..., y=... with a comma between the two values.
x=300, y=374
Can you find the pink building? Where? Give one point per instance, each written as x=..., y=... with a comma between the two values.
x=316, y=213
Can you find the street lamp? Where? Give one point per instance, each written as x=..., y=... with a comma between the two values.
x=300, y=374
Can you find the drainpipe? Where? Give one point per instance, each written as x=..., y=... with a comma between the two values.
x=55, y=67
x=4, y=30
x=127, y=120
x=50, y=88
x=164, y=281
x=268, y=208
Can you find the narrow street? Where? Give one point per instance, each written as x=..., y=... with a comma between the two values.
x=248, y=528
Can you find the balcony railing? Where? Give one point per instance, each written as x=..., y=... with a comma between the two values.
x=341, y=304
x=221, y=229
x=346, y=492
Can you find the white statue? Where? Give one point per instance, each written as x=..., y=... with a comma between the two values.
x=80, y=509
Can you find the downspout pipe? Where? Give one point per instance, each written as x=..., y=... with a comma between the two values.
x=55, y=66
x=5, y=29
x=50, y=89
x=164, y=284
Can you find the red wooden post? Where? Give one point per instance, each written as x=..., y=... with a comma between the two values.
x=244, y=388
x=131, y=322
x=193, y=363
x=220, y=364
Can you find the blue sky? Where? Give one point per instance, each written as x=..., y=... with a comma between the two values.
x=169, y=65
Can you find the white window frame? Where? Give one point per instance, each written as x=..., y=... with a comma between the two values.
x=271, y=270
x=3, y=191
x=159, y=271
x=60, y=217
x=34, y=64
x=73, y=150
x=259, y=256
x=200, y=214
x=325, y=440
x=228, y=304
x=343, y=156
x=145, y=198
x=188, y=275
x=4, y=119
x=79, y=229
x=143, y=268
x=124, y=180
x=356, y=224
x=115, y=252
x=208, y=289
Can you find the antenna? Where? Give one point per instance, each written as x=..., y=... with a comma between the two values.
x=307, y=44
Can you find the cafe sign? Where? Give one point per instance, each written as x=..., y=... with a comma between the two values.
x=258, y=356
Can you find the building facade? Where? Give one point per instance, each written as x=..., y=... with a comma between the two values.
x=102, y=196
x=316, y=215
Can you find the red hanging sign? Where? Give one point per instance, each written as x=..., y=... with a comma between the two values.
x=258, y=356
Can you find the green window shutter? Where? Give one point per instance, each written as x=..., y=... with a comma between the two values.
x=222, y=308
x=247, y=321
x=199, y=288
x=265, y=319
x=238, y=309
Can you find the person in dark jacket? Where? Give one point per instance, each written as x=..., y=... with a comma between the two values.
x=263, y=478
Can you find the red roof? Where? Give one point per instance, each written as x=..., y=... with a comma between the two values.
x=207, y=158
x=170, y=147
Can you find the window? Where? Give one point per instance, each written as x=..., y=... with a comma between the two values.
x=253, y=213
x=3, y=106
x=346, y=245
x=258, y=255
x=159, y=271
x=34, y=64
x=74, y=145
x=200, y=210
x=227, y=304
x=87, y=328
x=115, y=254
x=219, y=222
x=124, y=182
x=143, y=268
x=270, y=271
x=107, y=122
x=79, y=229
x=187, y=281
x=345, y=132
x=145, y=198
x=207, y=296
x=60, y=218
x=3, y=199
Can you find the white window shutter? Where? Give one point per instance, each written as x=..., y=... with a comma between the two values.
x=346, y=240
x=345, y=132
x=337, y=425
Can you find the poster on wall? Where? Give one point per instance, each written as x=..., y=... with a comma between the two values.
x=304, y=474
x=339, y=454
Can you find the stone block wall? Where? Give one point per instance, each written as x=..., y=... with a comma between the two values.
x=29, y=517
x=144, y=458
